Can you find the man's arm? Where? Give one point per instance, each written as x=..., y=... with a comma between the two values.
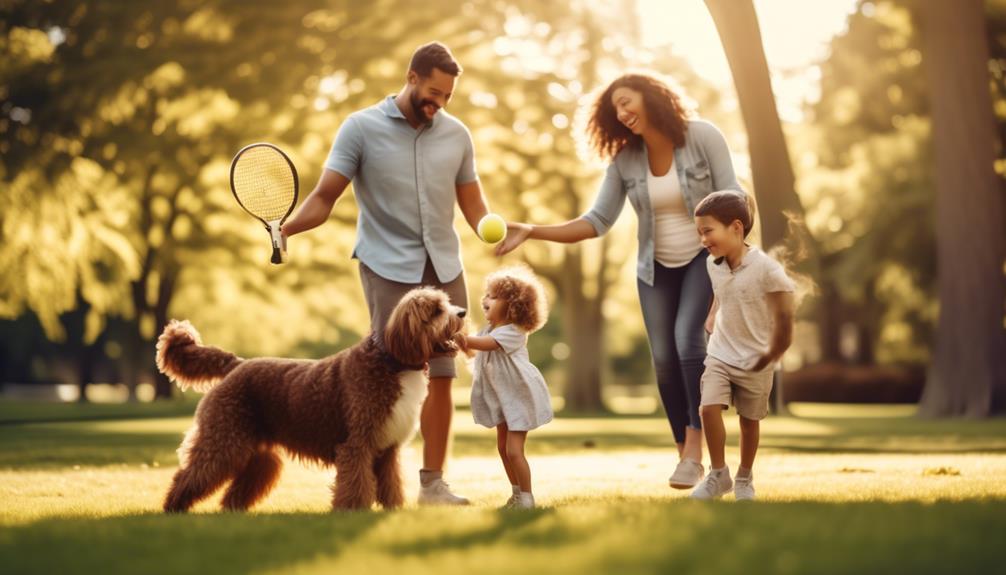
x=319, y=203
x=472, y=203
x=782, y=305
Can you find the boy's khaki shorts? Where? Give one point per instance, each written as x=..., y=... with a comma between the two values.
x=748, y=391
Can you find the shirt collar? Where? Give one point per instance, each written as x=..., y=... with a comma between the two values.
x=391, y=110
x=744, y=261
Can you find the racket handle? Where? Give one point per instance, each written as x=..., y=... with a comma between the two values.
x=278, y=245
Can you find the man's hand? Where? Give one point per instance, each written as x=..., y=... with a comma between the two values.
x=516, y=233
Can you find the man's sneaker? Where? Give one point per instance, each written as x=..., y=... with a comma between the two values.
x=715, y=485
x=744, y=488
x=686, y=474
x=520, y=501
x=439, y=493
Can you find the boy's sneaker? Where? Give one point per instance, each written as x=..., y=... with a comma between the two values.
x=439, y=493
x=744, y=488
x=686, y=474
x=714, y=486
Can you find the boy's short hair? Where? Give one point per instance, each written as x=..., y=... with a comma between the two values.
x=726, y=206
x=434, y=55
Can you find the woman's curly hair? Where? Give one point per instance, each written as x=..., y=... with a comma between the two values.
x=526, y=305
x=666, y=109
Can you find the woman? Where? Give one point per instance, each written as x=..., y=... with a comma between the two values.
x=665, y=162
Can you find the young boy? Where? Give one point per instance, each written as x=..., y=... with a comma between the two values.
x=751, y=321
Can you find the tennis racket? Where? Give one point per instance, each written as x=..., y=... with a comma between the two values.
x=264, y=182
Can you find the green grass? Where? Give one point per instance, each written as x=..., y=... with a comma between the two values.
x=841, y=489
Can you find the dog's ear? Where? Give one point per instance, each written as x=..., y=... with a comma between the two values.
x=407, y=336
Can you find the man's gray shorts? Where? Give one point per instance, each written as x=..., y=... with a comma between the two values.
x=383, y=295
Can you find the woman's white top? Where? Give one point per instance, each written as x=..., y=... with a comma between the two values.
x=675, y=239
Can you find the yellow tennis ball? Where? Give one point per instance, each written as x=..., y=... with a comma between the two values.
x=492, y=228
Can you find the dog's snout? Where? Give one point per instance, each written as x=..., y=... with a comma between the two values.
x=458, y=311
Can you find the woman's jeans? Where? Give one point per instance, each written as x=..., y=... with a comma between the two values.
x=675, y=308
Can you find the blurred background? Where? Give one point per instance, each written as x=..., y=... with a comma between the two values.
x=870, y=133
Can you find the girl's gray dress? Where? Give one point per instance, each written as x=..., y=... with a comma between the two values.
x=506, y=386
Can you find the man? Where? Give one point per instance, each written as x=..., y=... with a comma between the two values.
x=409, y=163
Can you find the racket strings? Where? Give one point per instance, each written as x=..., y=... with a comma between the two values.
x=264, y=183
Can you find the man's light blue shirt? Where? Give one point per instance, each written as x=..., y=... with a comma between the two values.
x=405, y=183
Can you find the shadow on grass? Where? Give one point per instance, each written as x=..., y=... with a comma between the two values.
x=822, y=435
x=14, y=412
x=47, y=446
x=199, y=543
x=130, y=434
x=633, y=537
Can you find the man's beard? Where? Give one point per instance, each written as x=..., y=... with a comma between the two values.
x=417, y=108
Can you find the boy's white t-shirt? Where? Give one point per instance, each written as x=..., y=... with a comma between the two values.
x=742, y=331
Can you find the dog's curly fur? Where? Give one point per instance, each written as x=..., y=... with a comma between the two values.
x=352, y=410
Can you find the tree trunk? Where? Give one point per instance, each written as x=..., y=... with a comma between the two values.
x=774, y=183
x=584, y=330
x=165, y=291
x=968, y=375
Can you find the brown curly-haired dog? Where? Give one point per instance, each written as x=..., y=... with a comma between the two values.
x=353, y=409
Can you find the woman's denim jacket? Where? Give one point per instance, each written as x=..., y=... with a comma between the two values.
x=703, y=165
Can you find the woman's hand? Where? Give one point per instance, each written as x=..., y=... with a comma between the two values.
x=516, y=233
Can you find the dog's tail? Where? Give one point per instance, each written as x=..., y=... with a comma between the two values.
x=182, y=357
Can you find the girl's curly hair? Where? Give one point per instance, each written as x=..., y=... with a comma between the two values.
x=666, y=109
x=526, y=305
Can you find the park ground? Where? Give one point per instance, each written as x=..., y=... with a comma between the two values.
x=842, y=488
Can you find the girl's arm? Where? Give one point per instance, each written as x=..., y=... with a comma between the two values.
x=478, y=342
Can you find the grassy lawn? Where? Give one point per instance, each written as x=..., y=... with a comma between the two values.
x=841, y=488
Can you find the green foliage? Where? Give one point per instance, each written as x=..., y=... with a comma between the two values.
x=128, y=114
x=867, y=180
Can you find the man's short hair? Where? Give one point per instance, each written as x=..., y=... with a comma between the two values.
x=434, y=55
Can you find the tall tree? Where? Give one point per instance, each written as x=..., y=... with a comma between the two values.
x=771, y=170
x=968, y=376
x=774, y=183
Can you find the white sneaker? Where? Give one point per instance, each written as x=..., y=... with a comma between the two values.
x=439, y=493
x=686, y=474
x=520, y=501
x=714, y=486
x=744, y=488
